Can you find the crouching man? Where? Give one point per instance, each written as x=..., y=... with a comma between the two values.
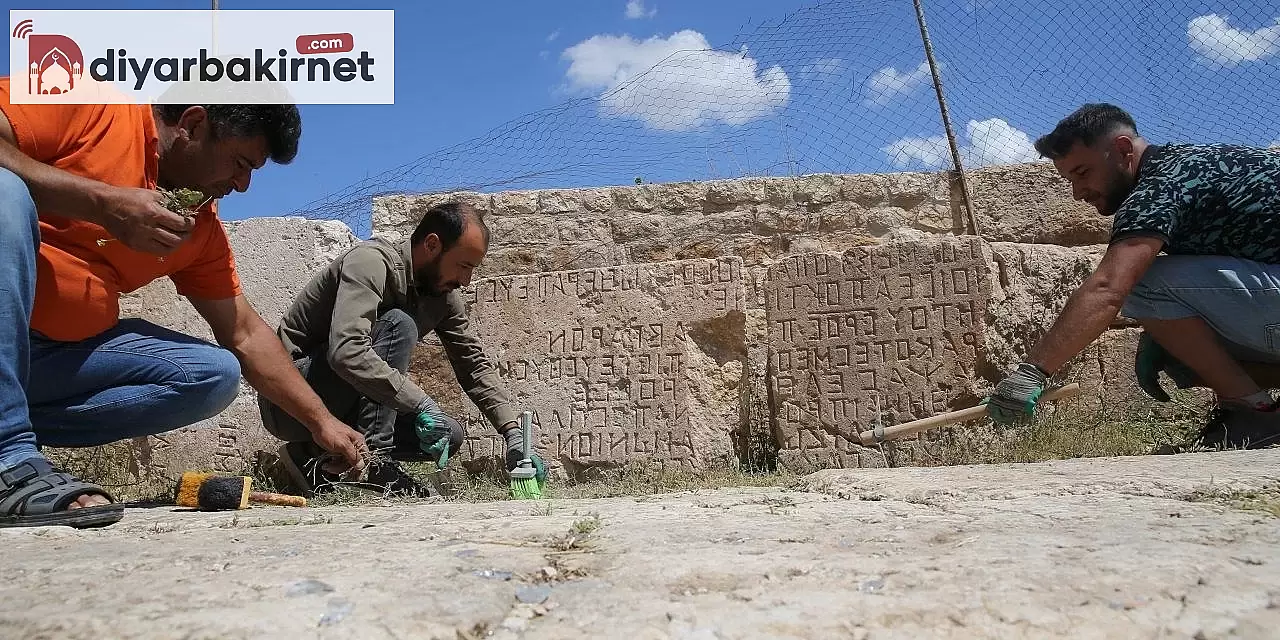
x=351, y=332
x=82, y=222
x=1209, y=308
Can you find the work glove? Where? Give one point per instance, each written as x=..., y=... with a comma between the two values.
x=1150, y=360
x=515, y=453
x=433, y=432
x=1015, y=398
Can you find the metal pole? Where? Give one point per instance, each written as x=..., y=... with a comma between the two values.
x=946, y=117
x=214, y=44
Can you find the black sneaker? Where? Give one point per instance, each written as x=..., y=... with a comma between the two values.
x=390, y=477
x=1239, y=428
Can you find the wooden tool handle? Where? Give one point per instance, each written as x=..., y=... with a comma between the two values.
x=263, y=497
x=868, y=438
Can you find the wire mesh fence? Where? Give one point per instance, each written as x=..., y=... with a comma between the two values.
x=845, y=86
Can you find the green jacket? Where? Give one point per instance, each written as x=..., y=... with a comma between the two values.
x=334, y=313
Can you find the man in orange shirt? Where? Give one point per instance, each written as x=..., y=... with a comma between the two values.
x=82, y=223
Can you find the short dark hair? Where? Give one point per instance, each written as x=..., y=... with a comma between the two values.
x=1085, y=125
x=280, y=124
x=448, y=221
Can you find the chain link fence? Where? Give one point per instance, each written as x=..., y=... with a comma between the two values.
x=866, y=86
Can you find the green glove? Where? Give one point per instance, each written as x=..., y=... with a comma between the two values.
x=1150, y=360
x=433, y=434
x=515, y=453
x=1016, y=396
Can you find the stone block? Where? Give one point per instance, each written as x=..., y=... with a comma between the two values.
x=618, y=364
x=1032, y=284
x=817, y=189
x=889, y=332
x=1031, y=203
x=515, y=203
x=680, y=196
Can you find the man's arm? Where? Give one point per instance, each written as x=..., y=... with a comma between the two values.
x=1092, y=308
x=475, y=372
x=265, y=364
x=136, y=217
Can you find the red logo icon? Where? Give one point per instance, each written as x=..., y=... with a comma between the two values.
x=56, y=62
x=325, y=43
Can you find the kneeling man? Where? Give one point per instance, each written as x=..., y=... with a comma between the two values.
x=351, y=332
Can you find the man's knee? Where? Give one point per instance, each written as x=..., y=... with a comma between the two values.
x=393, y=336
x=280, y=424
x=17, y=212
x=1151, y=297
x=214, y=385
x=399, y=321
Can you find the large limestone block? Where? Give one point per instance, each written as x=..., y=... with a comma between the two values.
x=275, y=257
x=888, y=333
x=1033, y=282
x=641, y=362
x=1032, y=203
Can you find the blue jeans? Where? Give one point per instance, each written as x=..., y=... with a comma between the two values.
x=1239, y=299
x=19, y=242
x=133, y=380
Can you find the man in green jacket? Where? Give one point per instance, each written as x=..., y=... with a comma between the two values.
x=351, y=332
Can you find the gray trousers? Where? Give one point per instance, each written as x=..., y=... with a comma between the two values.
x=385, y=431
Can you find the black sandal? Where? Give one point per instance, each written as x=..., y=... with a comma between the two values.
x=35, y=494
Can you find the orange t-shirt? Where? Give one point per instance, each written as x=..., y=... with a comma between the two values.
x=79, y=282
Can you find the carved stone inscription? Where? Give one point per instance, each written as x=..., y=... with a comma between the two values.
x=889, y=330
x=603, y=356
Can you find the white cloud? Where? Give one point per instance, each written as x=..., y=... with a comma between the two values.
x=636, y=10
x=1216, y=40
x=887, y=84
x=553, y=35
x=990, y=142
x=675, y=83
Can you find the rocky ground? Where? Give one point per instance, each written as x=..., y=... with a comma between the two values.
x=1160, y=546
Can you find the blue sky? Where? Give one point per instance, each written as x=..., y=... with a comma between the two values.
x=821, y=86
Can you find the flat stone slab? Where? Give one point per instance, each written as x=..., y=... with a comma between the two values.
x=1099, y=548
x=635, y=362
x=882, y=334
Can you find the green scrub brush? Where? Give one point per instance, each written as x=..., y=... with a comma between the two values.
x=524, y=478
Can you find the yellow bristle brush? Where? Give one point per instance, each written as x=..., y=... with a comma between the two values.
x=214, y=492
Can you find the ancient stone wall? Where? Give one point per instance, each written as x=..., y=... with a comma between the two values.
x=704, y=324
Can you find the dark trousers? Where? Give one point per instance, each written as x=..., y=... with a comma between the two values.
x=385, y=431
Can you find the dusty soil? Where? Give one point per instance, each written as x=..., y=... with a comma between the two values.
x=1162, y=546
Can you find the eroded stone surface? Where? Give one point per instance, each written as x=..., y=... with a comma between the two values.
x=618, y=364
x=757, y=219
x=887, y=333
x=1100, y=548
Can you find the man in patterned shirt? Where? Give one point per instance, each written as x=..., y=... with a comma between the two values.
x=1209, y=308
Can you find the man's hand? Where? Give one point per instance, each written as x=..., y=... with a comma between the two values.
x=139, y=220
x=1016, y=396
x=1150, y=360
x=343, y=442
x=433, y=435
x=515, y=453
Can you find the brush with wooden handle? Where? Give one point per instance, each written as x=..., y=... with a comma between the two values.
x=213, y=492
x=875, y=436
